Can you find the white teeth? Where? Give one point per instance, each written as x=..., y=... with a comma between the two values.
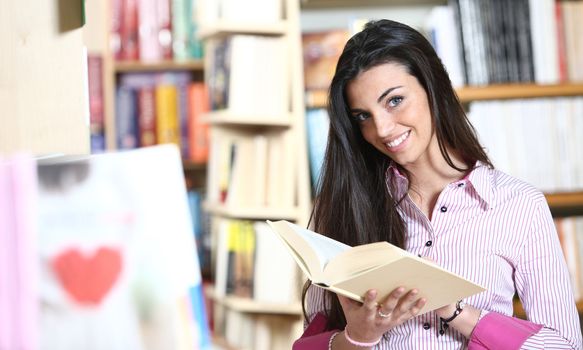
x=399, y=140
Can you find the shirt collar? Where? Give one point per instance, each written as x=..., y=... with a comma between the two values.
x=479, y=179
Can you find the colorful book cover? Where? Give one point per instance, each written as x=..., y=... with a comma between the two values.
x=129, y=31
x=147, y=116
x=126, y=118
x=117, y=256
x=321, y=52
x=149, y=45
x=96, y=119
x=167, y=123
x=198, y=130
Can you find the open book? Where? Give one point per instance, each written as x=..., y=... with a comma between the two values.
x=351, y=271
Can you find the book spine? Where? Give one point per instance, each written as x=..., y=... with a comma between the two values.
x=149, y=46
x=198, y=131
x=129, y=30
x=97, y=124
x=147, y=116
x=126, y=118
x=115, y=28
x=180, y=29
x=167, y=129
x=165, y=28
x=195, y=45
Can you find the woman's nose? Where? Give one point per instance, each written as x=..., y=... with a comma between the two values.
x=384, y=125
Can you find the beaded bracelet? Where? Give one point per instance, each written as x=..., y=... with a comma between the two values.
x=357, y=343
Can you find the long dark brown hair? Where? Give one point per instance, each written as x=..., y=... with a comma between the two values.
x=354, y=205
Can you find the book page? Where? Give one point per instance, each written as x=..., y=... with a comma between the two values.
x=359, y=259
x=434, y=283
x=312, y=249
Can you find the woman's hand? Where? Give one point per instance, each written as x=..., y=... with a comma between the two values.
x=367, y=321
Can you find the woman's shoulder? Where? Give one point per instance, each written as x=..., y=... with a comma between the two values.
x=506, y=186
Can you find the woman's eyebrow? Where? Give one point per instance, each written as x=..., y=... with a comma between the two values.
x=388, y=91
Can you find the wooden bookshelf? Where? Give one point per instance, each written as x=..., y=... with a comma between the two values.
x=220, y=343
x=282, y=127
x=139, y=66
x=224, y=28
x=250, y=306
x=514, y=91
x=565, y=200
x=189, y=165
x=327, y=4
x=318, y=98
x=225, y=117
x=238, y=212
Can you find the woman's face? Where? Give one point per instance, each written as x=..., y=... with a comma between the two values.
x=392, y=110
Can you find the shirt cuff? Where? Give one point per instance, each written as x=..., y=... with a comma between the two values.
x=497, y=331
x=315, y=342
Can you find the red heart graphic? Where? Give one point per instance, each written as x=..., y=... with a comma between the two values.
x=88, y=279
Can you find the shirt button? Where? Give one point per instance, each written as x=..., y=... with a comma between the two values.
x=443, y=209
x=428, y=243
x=426, y=326
x=461, y=184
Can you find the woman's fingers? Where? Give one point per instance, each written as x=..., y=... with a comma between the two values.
x=401, y=305
x=390, y=302
x=410, y=305
x=369, y=302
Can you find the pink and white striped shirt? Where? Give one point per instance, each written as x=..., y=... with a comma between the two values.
x=498, y=232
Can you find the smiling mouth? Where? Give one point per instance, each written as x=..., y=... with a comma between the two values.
x=399, y=140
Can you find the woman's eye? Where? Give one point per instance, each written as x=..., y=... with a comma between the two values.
x=394, y=101
x=360, y=117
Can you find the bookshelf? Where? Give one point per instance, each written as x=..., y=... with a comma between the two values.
x=270, y=137
x=99, y=38
x=195, y=65
x=247, y=305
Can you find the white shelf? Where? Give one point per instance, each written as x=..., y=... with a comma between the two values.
x=251, y=306
x=223, y=28
x=227, y=117
x=238, y=212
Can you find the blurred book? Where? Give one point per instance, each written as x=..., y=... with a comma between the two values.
x=114, y=252
x=317, y=126
x=321, y=51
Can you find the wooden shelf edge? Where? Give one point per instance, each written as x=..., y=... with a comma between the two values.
x=139, y=66
x=334, y=4
x=250, y=212
x=318, y=98
x=516, y=91
x=189, y=165
x=251, y=306
x=223, y=28
x=226, y=117
x=565, y=200
x=220, y=343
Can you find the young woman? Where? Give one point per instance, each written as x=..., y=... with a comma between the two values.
x=404, y=165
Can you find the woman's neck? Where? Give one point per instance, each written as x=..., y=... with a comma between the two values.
x=427, y=180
